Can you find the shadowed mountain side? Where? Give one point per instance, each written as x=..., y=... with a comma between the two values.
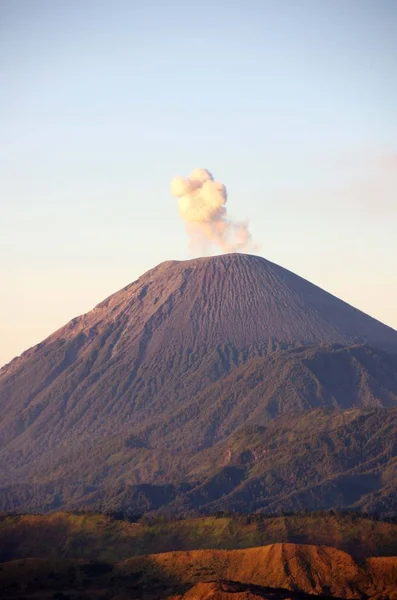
x=322, y=459
x=284, y=382
x=319, y=460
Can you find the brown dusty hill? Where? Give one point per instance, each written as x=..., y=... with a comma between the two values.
x=173, y=364
x=301, y=569
x=309, y=569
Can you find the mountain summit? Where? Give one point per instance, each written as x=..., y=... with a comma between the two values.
x=235, y=299
x=180, y=359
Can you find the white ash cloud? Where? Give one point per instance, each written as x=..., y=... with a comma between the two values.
x=202, y=205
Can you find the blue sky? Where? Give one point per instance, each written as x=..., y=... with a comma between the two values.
x=291, y=104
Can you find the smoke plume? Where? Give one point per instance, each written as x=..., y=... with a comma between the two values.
x=202, y=205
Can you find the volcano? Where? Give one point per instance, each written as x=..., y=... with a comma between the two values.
x=129, y=394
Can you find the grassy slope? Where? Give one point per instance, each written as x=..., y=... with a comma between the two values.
x=98, y=537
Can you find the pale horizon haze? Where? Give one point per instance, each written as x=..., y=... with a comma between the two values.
x=292, y=105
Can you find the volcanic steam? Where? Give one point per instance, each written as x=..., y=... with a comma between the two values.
x=202, y=205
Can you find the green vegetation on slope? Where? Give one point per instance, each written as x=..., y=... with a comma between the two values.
x=321, y=460
x=101, y=538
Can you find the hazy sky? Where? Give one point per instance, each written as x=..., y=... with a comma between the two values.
x=291, y=103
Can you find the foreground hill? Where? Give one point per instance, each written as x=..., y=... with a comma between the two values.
x=94, y=557
x=301, y=569
x=232, y=590
x=177, y=362
x=310, y=569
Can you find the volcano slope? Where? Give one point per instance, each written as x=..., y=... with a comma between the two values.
x=123, y=405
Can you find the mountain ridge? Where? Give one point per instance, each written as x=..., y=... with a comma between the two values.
x=225, y=263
